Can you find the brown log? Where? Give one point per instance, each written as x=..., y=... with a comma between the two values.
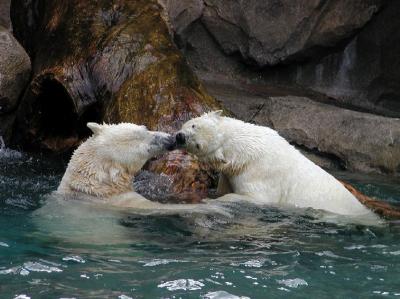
x=379, y=207
x=103, y=60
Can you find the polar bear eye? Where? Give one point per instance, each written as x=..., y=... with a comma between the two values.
x=193, y=126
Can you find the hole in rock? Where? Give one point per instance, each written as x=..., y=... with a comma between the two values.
x=56, y=124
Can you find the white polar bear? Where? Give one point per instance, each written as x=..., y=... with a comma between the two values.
x=256, y=161
x=100, y=175
x=102, y=168
x=104, y=165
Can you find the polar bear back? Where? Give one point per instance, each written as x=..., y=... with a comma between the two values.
x=277, y=173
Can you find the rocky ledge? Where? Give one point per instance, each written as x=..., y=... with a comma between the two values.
x=332, y=136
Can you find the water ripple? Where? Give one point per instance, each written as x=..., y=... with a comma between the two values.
x=222, y=295
x=182, y=284
x=293, y=283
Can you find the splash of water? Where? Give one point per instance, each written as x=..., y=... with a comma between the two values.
x=6, y=153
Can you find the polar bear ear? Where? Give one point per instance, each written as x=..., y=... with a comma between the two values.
x=217, y=113
x=96, y=128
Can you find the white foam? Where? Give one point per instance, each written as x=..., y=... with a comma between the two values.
x=38, y=267
x=6, y=153
x=222, y=295
x=293, y=283
x=157, y=262
x=254, y=263
x=4, y=244
x=74, y=258
x=182, y=284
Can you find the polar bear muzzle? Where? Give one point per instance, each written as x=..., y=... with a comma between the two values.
x=180, y=139
x=165, y=140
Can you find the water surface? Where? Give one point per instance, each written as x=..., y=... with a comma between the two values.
x=80, y=251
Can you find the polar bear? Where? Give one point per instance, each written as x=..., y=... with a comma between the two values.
x=102, y=169
x=104, y=165
x=100, y=176
x=255, y=161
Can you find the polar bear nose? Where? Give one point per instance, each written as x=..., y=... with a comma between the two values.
x=180, y=138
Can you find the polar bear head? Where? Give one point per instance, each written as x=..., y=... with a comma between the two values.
x=105, y=164
x=202, y=135
x=127, y=143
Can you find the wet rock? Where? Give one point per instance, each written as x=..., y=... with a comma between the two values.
x=111, y=61
x=353, y=140
x=15, y=67
x=101, y=61
x=365, y=73
x=6, y=124
x=5, y=14
x=362, y=141
x=275, y=31
x=186, y=174
x=360, y=70
x=182, y=14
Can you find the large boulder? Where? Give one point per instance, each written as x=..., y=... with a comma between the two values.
x=266, y=33
x=365, y=73
x=104, y=61
x=349, y=52
x=15, y=67
x=100, y=61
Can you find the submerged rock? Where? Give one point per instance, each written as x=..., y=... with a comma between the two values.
x=15, y=67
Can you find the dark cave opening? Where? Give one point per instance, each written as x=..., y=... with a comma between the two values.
x=55, y=123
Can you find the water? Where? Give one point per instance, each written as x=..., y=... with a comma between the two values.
x=76, y=250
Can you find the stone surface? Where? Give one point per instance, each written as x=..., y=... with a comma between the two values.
x=111, y=61
x=343, y=55
x=274, y=31
x=15, y=67
x=356, y=141
x=182, y=14
x=366, y=72
x=5, y=13
x=101, y=61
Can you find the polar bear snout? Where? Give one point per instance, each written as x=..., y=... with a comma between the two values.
x=169, y=143
x=180, y=139
x=166, y=141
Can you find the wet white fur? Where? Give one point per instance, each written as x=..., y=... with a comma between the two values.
x=104, y=165
x=101, y=169
x=257, y=162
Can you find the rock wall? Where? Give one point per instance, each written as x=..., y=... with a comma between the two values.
x=5, y=14
x=15, y=68
x=343, y=54
x=100, y=61
x=347, y=50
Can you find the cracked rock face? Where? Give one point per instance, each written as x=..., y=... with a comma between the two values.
x=15, y=67
x=352, y=140
x=266, y=33
x=5, y=13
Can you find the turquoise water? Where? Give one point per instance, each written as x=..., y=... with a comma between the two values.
x=75, y=250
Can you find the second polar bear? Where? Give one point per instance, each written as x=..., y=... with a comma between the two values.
x=257, y=162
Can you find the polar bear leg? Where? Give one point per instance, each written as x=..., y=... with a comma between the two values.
x=224, y=186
